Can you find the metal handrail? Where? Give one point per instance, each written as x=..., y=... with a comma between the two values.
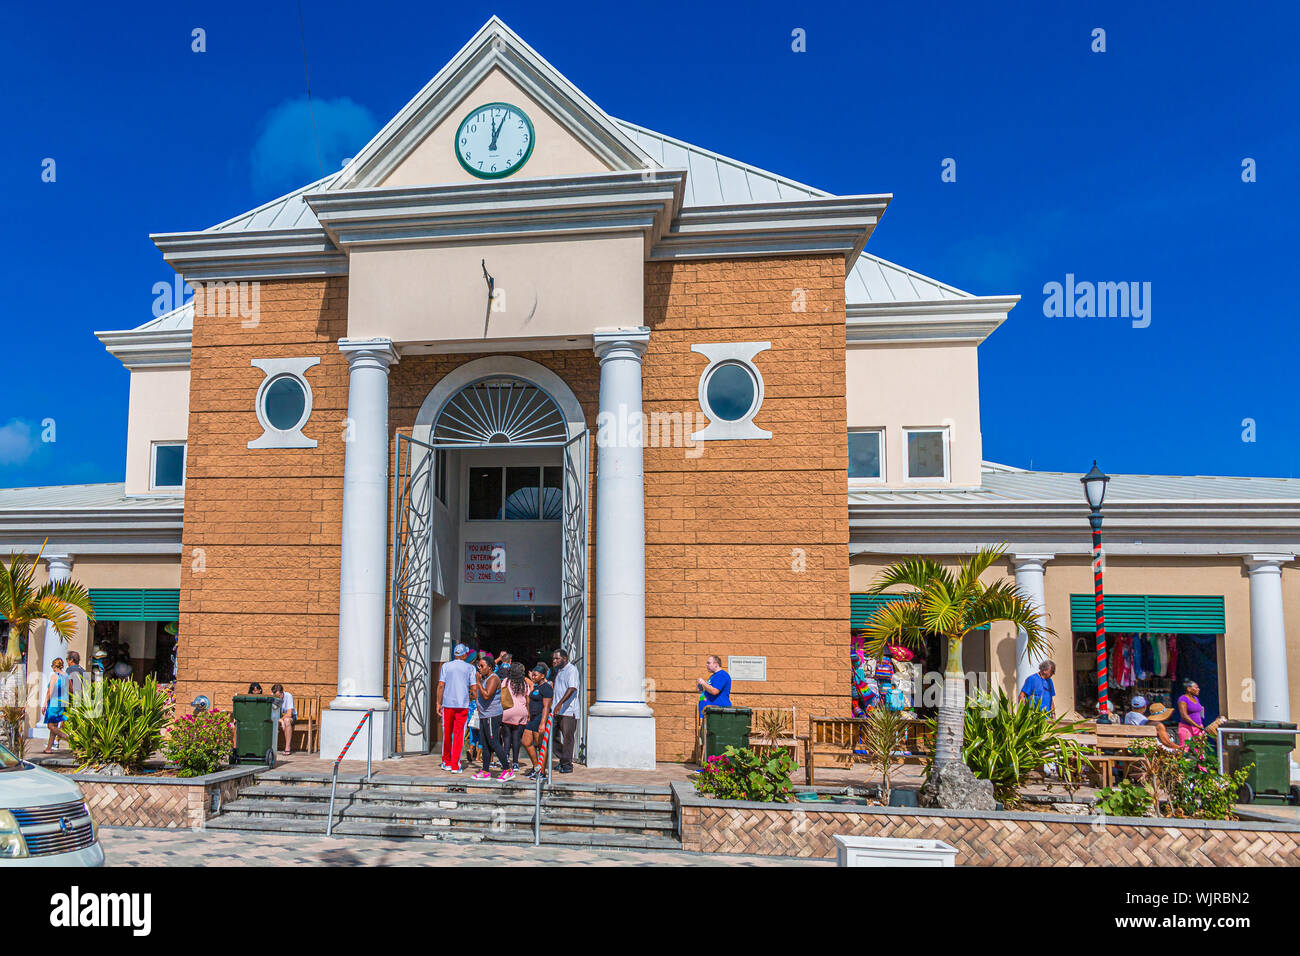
x=334, y=781
x=538, y=781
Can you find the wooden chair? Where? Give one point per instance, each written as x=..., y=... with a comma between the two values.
x=307, y=722
x=840, y=739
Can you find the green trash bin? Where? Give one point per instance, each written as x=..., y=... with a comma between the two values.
x=1267, y=755
x=257, y=727
x=725, y=727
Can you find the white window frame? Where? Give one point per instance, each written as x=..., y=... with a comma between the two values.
x=947, y=463
x=541, y=477
x=153, y=464
x=731, y=353
x=274, y=369
x=879, y=432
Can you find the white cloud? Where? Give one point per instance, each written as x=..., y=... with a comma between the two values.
x=284, y=156
x=17, y=442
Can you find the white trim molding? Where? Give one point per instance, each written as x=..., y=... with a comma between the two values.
x=274, y=370
x=265, y=254
x=731, y=353
x=966, y=320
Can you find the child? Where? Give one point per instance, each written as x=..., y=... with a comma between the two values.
x=471, y=731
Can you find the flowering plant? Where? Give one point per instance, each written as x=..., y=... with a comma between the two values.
x=200, y=743
x=742, y=774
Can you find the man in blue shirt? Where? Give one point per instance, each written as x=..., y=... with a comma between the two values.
x=715, y=690
x=1039, y=687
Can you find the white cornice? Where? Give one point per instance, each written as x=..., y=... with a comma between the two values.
x=564, y=206
x=161, y=349
x=495, y=46
x=831, y=225
x=87, y=531
x=971, y=320
x=269, y=254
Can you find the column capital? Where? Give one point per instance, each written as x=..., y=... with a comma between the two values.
x=1029, y=561
x=1266, y=562
x=378, y=352
x=621, y=343
x=59, y=566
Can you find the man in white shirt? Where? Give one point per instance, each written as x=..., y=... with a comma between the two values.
x=565, y=710
x=454, y=680
x=286, y=715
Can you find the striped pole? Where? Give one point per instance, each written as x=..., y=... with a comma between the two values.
x=546, y=742
x=1103, y=676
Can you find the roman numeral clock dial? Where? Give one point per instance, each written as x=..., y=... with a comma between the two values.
x=494, y=141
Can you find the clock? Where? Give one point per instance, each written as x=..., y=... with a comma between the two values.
x=494, y=140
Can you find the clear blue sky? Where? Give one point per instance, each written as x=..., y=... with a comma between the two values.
x=1116, y=166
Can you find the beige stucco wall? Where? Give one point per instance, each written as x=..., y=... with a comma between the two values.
x=1141, y=575
x=904, y=386
x=159, y=411
x=555, y=151
x=548, y=289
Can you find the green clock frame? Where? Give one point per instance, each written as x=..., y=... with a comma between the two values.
x=478, y=173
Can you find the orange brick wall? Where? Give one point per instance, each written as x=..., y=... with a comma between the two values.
x=260, y=560
x=747, y=544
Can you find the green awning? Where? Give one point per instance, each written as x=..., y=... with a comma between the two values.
x=1150, y=614
x=136, y=604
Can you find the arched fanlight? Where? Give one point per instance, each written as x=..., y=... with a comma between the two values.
x=500, y=411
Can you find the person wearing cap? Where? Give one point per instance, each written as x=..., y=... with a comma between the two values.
x=1137, y=711
x=454, y=680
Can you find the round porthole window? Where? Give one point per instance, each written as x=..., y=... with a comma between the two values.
x=730, y=392
x=284, y=403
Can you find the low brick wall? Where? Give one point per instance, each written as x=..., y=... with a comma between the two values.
x=983, y=839
x=158, y=801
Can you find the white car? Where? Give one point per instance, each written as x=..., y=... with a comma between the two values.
x=43, y=818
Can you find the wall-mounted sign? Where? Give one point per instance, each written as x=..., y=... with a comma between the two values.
x=747, y=668
x=524, y=595
x=485, y=562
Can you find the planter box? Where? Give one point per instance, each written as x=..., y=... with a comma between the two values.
x=892, y=851
x=163, y=802
x=999, y=838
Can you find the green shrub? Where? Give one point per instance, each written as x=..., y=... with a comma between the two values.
x=1129, y=799
x=742, y=774
x=117, y=721
x=1188, y=781
x=200, y=743
x=1006, y=741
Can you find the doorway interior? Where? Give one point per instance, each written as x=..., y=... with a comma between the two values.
x=528, y=632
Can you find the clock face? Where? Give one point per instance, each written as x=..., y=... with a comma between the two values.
x=494, y=140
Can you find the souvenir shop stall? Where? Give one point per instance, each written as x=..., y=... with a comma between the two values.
x=892, y=680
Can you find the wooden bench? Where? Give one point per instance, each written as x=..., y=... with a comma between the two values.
x=1113, y=741
x=841, y=740
x=306, y=722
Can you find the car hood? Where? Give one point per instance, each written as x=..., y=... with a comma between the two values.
x=35, y=787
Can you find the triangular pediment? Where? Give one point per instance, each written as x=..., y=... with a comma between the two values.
x=573, y=136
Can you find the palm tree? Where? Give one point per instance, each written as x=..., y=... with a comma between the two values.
x=23, y=603
x=952, y=606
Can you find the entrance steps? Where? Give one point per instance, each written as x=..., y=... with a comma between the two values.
x=455, y=808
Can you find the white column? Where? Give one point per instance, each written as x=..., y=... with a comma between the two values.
x=620, y=726
x=1268, y=637
x=1030, y=569
x=59, y=567
x=363, y=583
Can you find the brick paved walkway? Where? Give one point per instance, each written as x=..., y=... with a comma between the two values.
x=139, y=847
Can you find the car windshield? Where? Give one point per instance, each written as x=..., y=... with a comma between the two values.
x=8, y=761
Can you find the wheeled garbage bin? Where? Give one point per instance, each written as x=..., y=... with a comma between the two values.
x=725, y=727
x=1268, y=755
x=257, y=727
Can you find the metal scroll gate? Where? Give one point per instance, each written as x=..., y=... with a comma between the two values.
x=414, y=569
x=573, y=606
x=410, y=621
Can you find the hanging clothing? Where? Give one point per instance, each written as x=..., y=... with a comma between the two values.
x=1173, y=655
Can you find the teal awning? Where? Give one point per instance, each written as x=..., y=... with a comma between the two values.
x=136, y=604
x=863, y=607
x=1150, y=614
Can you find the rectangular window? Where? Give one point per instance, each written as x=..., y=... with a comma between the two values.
x=865, y=454
x=168, y=470
x=927, y=452
x=552, y=493
x=440, y=474
x=521, y=493
x=485, y=486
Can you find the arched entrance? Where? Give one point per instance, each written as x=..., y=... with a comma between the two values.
x=489, y=531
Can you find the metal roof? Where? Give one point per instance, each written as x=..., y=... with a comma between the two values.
x=98, y=497
x=177, y=320
x=999, y=483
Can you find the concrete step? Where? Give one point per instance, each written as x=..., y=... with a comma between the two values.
x=464, y=783
x=480, y=816
x=446, y=800
x=623, y=841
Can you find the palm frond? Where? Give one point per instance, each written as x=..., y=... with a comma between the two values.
x=1003, y=601
x=973, y=568
x=918, y=573
x=895, y=622
x=71, y=593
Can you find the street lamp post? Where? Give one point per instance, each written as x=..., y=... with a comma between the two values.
x=1094, y=489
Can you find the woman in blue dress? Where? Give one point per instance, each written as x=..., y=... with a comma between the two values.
x=56, y=705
